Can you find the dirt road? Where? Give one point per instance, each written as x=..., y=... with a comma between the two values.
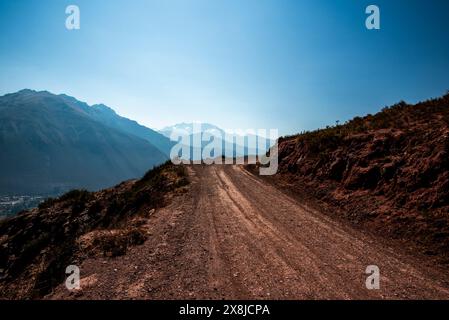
x=233, y=236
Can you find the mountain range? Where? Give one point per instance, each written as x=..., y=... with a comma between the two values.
x=238, y=143
x=52, y=143
x=185, y=128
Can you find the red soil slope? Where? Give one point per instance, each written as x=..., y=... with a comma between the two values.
x=387, y=171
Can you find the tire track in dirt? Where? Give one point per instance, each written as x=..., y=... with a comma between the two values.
x=233, y=236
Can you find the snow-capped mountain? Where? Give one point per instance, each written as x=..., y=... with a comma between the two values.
x=183, y=129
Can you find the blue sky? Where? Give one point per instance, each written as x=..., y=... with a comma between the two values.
x=291, y=65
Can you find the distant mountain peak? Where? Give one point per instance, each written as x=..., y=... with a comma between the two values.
x=26, y=91
x=187, y=127
x=104, y=108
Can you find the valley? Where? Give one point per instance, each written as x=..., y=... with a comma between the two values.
x=10, y=205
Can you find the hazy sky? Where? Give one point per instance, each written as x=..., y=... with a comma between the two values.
x=291, y=65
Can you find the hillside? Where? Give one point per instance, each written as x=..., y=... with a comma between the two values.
x=52, y=143
x=388, y=172
x=201, y=232
x=36, y=246
x=108, y=117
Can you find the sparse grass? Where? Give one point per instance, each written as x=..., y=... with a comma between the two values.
x=397, y=116
x=48, y=239
x=73, y=197
x=47, y=203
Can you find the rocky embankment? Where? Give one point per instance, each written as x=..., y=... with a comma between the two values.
x=387, y=171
